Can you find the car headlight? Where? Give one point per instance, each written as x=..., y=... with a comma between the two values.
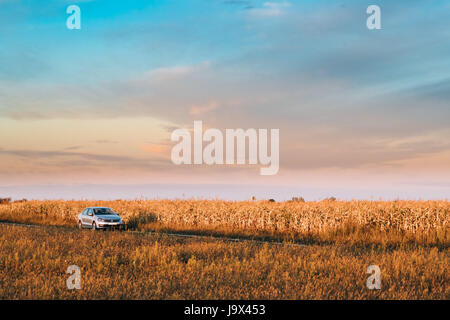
x=101, y=220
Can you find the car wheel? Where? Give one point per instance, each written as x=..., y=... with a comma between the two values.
x=80, y=226
x=94, y=227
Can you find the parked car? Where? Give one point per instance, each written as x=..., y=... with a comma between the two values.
x=100, y=218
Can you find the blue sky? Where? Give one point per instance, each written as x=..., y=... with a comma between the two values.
x=140, y=35
x=351, y=104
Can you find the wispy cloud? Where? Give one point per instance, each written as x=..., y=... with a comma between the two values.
x=105, y=141
x=246, y=4
x=270, y=9
x=89, y=158
x=202, y=109
x=173, y=73
x=160, y=149
x=73, y=148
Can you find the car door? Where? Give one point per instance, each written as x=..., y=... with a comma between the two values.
x=83, y=216
x=88, y=217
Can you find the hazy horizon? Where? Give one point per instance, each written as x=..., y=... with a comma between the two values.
x=214, y=191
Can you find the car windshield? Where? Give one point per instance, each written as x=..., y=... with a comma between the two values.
x=103, y=211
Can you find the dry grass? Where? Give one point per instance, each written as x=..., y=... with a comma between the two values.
x=117, y=265
x=350, y=222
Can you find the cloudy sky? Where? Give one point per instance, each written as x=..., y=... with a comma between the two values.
x=361, y=113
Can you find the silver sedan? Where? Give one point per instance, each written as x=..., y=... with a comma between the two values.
x=100, y=218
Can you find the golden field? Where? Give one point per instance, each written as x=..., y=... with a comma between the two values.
x=121, y=265
x=369, y=222
x=409, y=240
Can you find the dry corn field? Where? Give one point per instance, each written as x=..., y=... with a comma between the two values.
x=408, y=240
x=384, y=222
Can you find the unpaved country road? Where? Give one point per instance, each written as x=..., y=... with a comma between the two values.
x=169, y=234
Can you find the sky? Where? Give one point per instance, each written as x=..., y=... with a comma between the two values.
x=362, y=114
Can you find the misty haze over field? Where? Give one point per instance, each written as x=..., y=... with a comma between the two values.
x=224, y=192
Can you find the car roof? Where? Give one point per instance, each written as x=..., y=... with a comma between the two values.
x=98, y=208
